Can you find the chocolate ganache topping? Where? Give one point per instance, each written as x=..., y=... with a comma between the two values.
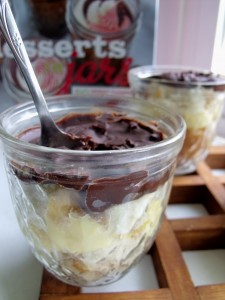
x=100, y=131
x=190, y=77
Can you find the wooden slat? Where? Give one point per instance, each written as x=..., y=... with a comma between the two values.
x=213, y=184
x=212, y=292
x=191, y=180
x=161, y=294
x=216, y=150
x=200, y=233
x=198, y=224
x=51, y=285
x=176, y=271
x=221, y=179
x=216, y=157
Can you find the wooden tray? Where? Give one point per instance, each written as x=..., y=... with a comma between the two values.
x=175, y=236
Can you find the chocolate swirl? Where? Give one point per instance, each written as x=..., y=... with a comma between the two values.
x=121, y=9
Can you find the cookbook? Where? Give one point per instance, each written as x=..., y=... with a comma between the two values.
x=80, y=46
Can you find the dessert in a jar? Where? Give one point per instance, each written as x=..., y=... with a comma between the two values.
x=102, y=32
x=197, y=95
x=91, y=209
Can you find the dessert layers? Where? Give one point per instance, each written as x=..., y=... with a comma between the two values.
x=83, y=224
x=197, y=96
x=201, y=109
x=91, y=208
x=93, y=248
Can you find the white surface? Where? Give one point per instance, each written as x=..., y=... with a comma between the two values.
x=206, y=266
x=20, y=273
x=181, y=211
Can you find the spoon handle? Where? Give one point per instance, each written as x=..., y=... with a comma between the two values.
x=13, y=38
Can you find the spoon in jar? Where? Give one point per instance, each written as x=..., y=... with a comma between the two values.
x=51, y=135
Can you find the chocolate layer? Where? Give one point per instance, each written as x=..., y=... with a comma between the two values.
x=102, y=131
x=97, y=132
x=190, y=77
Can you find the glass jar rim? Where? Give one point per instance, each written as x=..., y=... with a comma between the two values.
x=177, y=136
x=145, y=73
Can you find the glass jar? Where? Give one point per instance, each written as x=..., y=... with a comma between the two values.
x=84, y=25
x=199, y=101
x=51, y=73
x=102, y=34
x=89, y=216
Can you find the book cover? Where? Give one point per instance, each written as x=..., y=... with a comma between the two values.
x=80, y=46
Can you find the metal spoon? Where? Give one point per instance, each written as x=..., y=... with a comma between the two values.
x=51, y=135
